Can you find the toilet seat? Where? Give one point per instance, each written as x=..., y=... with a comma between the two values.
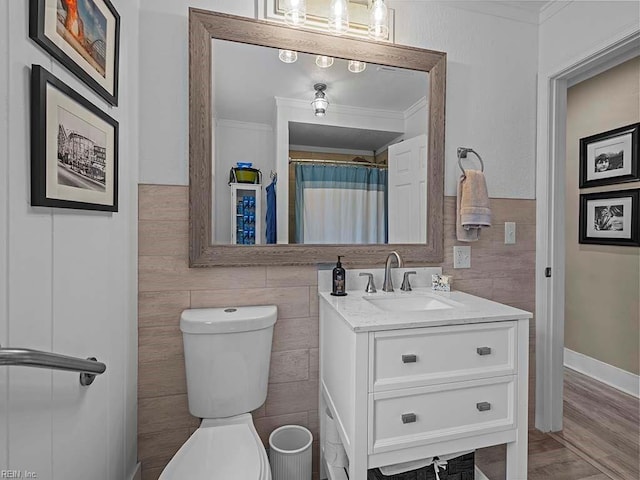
x=221, y=449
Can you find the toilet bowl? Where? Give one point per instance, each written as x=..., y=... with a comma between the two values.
x=228, y=448
x=227, y=353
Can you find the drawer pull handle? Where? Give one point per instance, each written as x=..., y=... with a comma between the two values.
x=483, y=406
x=409, y=358
x=483, y=350
x=408, y=417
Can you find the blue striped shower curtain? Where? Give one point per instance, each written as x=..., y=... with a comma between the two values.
x=340, y=204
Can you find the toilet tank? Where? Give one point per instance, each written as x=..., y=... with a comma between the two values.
x=227, y=352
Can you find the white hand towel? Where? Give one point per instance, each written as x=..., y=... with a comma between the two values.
x=473, y=210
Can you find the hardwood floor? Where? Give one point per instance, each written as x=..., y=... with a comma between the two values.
x=600, y=439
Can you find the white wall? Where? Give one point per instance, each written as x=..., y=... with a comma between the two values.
x=67, y=284
x=490, y=87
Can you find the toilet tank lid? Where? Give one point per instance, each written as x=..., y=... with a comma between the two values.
x=228, y=319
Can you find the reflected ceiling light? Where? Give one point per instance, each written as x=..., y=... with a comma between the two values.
x=320, y=103
x=295, y=12
x=323, y=61
x=338, y=17
x=356, y=66
x=288, y=56
x=378, y=20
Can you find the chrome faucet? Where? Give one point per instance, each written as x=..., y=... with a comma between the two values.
x=388, y=283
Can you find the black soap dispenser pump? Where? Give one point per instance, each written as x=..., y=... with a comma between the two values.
x=339, y=280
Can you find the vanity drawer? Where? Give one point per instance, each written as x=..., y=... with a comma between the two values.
x=420, y=416
x=426, y=356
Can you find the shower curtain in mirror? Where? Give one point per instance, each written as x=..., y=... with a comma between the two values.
x=340, y=204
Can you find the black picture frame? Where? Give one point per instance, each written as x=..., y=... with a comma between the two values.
x=87, y=63
x=611, y=228
x=85, y=173
x=611, y=165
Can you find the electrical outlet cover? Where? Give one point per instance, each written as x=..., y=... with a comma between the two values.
x=509, y=233
x=461, y=257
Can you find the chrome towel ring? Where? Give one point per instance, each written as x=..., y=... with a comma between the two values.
x=462, y=153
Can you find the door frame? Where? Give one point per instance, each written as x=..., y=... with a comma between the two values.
x=550, y=204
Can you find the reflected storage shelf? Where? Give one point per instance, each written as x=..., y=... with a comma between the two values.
x=246, y=213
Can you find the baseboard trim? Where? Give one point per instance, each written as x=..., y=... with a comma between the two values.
x=479, y=475
x=615, y=377
x=137, y=473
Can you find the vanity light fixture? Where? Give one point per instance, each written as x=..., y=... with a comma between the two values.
x=356, y=66
x=295, y=12
x=295, y=15
x=378, y=20
x=288, y=56
x=323, y=61
x=338, y=17
x=320, y=102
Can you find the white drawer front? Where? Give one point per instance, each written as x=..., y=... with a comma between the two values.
x=420, y=416
x=425, y=356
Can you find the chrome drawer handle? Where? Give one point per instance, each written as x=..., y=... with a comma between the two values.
x=409, y=358
x=483, y=350
x=483, y=406
x=408, y=417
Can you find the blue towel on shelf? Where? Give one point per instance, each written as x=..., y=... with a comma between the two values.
x=272, y=224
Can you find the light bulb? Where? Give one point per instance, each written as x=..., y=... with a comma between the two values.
x=295, y=12
x=338, y=17
x=356, y=66
x=288, y=56
x=323, y=61
x=378, y=20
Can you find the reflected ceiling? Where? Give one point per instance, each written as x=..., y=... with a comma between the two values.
x=245, y=90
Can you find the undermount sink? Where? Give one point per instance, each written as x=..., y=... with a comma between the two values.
x=408, y=303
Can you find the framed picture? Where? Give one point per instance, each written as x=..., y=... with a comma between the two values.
x=83, y=35
x=610, y=218
x=74, y=148
x=610, y=157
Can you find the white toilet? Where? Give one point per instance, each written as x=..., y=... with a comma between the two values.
x=227, y=353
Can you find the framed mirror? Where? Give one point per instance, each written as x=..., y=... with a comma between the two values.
x=227, y=56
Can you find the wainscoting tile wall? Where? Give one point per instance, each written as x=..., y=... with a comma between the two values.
x=504, y=273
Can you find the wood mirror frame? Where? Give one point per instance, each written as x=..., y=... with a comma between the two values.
x=205, y=26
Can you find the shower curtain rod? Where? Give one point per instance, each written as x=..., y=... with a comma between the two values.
x=337, y=162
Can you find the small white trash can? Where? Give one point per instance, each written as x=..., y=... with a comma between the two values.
x=290, y=453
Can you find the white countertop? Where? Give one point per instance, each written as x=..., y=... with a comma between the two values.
x=363, y=316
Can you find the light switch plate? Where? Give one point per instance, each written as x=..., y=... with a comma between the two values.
x=509, y=233
x=461, y=257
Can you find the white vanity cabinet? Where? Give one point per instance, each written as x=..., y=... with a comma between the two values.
x=409, y=385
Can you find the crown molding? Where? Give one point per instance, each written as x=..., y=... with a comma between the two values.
x=502, y=9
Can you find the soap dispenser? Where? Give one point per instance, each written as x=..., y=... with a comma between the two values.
x=339, y=281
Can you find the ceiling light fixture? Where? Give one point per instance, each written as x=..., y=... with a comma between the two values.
x=295, y=12
x=338, y=17
x=320, y=102
x=356, y=66
x=288, y=56
x=323, y=61
x=378, y=20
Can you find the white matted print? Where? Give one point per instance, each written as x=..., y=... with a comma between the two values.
x=610, y=218
x=74, y=148
x=79, y=164
x=609, y=157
